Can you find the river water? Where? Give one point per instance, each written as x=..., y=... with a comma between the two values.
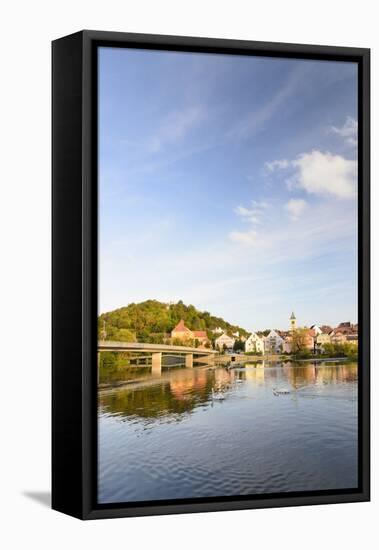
x=165, y=437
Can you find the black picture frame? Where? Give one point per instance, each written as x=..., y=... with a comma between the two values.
x=74, y=272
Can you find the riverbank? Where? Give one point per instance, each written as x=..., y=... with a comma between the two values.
x=243, y=357
x=280, y=358
x=320, y=359
x=352, y=359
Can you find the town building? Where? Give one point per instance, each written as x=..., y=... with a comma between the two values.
x=273, y=343
x=182, y=332
x=321, y=340
x=224, y=341
x=254, y=344
x=202, y=337
x=317, y=330
x=337, y=337
x=293, y=322
x=345, y=328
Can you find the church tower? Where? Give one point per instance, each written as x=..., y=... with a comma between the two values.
x=293, y=322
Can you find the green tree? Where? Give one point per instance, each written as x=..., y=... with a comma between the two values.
x=299, y=339
x=148, y=319
x=343, y=349
x=157, y=338
x=126, y=335
x=238, y=345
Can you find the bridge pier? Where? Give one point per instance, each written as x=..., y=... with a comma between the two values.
x=156, y=363
x=191, y=355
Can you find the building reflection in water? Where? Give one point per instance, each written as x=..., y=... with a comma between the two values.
x=179, y=392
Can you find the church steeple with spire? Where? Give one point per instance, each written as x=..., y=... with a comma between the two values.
x=293, y=321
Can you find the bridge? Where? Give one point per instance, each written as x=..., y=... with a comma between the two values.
x=156, y=351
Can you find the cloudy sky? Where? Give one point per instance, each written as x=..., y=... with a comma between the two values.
x=230, y=183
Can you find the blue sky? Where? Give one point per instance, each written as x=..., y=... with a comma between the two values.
x=228, y=182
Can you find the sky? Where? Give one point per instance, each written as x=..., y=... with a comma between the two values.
x=229, y=182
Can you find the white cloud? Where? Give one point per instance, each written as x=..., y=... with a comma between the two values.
x=248, y=238
x=254, y=214
x=320, y=173
x=295, y=207
x=277, y=165
x=246, y=214
x=325, y=174
x=349, y=131
x=175, y=127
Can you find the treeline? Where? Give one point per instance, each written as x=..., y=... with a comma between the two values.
x=342, y=349
x=330, y=351
x=152, y=321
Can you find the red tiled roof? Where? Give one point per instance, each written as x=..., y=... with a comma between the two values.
x=200, y=333
x=181, y=327
x=344, y=330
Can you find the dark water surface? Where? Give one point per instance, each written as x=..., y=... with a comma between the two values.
x=166, y=438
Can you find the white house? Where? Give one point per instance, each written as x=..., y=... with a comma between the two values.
x=254, y=344
x=224, y=341
x=273, y=343
x=322, y=339
x=316, y=329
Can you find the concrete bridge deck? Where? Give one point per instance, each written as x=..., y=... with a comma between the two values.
x=156, y=351
x=108, y=345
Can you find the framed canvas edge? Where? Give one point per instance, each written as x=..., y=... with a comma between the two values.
x=67, y=318
x=90, y=40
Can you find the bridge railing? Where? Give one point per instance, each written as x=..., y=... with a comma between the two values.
x=109, y=345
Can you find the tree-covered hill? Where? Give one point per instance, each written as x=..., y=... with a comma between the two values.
x=152, y=321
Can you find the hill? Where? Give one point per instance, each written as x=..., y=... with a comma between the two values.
x=152, y=321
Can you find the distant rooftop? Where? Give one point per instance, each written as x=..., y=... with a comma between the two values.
x=181, y=327
x=200, y=333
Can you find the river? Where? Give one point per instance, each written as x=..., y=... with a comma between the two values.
x=167, y=438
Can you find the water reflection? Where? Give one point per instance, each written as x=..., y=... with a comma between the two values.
x=166, y=437
x=181, y=391
x=174, y=395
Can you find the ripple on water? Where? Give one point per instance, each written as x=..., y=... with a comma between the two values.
x=172, y=441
